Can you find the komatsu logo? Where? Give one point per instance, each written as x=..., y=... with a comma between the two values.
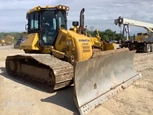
x=84, y=40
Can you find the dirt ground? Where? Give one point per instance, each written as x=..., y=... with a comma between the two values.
x=20, y=98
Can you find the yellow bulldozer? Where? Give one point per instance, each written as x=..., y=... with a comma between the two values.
x=59, y=57
x=8, y=40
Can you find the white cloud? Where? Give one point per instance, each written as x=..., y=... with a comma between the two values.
x=98, y=13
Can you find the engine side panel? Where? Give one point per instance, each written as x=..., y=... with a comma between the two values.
x=72, y=43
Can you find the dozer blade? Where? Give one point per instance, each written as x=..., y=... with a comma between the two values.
x=98, y=79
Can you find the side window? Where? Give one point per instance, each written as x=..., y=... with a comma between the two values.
x=54, y=24
x=33, y=21
x=36, y=21
x=62, y=19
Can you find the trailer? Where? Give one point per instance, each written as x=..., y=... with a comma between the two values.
x=142, y=42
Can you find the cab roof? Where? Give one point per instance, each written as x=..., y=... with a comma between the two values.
x=59, y=7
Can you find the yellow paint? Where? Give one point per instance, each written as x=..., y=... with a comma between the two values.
x=68, y=42
x=8, y=40
x=96, y=42
x=31, y=42
x=59, y=7
x=141, y=37
x=72, y=43
x=108, y=46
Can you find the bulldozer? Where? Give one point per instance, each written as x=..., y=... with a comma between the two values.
x=8, y=40
x=60, y=57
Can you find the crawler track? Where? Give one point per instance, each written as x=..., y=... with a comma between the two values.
x=43, y=68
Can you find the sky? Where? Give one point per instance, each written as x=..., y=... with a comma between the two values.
x=99, y=14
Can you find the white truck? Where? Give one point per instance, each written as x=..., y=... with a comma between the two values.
x=141, y=42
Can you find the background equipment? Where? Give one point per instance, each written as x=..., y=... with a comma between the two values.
x=140, y=42
x=8, y=40
x=20, y=40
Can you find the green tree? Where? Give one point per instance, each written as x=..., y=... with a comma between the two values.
x=105, y=37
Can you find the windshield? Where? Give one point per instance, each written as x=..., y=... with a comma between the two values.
x=49, y=27
x=51, y=20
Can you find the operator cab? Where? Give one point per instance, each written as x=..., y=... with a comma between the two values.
x=46, y=21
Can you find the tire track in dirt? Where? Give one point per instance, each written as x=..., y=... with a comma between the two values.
x=138, y=98
x=135, y=100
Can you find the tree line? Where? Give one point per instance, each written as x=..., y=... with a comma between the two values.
x=107, y=35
